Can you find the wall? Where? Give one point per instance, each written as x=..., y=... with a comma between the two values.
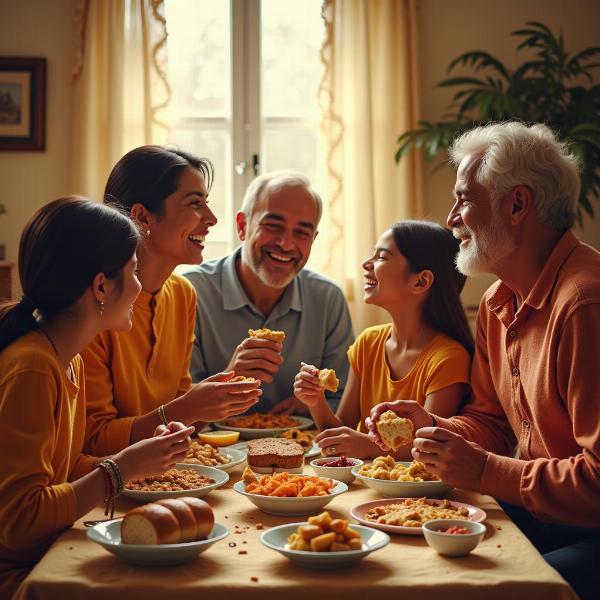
x=448, y=28
x=38, y=28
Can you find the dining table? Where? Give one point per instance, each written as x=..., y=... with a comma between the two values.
x=505, y=565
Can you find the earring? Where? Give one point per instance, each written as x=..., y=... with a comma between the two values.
x=147, y=233
x=101, y=307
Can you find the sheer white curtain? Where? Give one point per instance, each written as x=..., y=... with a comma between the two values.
x=120, y=86
x=369, y=95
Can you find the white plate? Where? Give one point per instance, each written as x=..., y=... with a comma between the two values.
x=358, y=512
x=276, y=538
x=108, y=535
x=314, y=450
x=291, y=507
x=236, y=457
x=404, y=489
x=250, y=434
x=219, y=475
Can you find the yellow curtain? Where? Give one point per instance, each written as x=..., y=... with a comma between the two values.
x=120, y=86
x=368, y=95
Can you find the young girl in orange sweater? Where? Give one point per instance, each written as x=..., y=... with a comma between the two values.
x=77, y=264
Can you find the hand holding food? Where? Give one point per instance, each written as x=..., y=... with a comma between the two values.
x=307, y=387
x=408, y=409
x=218, y=397
x=154, y=455
x=322, y=533
x=393, y=430
x=259, y=355
x=345, y=440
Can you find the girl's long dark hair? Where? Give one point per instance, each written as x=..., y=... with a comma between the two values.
x=63, y=247
x=149, y=174
x=427, y=245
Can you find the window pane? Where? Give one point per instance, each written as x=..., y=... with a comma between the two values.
x=199, y=65
x=214, y=145
x=291, y=34
x=290, y=149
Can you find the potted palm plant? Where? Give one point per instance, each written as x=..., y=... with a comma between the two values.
x=554, y=87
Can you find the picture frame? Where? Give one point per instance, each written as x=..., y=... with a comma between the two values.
x=22, y=104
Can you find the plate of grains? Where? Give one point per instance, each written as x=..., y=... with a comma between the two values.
x=183, y=480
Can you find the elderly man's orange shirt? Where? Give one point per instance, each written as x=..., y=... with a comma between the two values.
x=536, y=383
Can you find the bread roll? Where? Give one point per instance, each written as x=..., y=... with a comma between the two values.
x=184, y=515
x=393, y=430
x=205, y=518
x=150, y=524
x=328, y=380
x=267, y=334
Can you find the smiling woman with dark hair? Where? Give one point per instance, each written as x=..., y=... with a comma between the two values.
x=77, y=263
x=139, y=379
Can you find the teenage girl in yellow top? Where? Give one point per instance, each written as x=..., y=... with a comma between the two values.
x=77, y=266
x=140, y=378
x=424, y=354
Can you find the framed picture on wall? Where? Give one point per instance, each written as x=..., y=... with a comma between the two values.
x=22, y=103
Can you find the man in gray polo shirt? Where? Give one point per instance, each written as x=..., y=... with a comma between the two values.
x=263, y=285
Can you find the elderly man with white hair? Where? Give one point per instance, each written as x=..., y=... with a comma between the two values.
x=264, y=284
x=534, y=380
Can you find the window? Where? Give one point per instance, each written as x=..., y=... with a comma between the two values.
x=244, y=76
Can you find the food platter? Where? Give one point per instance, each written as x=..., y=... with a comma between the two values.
x=275, y=505
x=108, y=535
x=219, y=475
x=249, y=434
x=276, y=538
x=314, y=450
x=358, y=513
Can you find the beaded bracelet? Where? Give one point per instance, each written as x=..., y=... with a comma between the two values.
x=109, y=499
x=117, y=473
x=162, y=416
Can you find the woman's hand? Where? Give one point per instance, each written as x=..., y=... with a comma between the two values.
x=307, y=387
x=408, y=409
x=346, y=441
x=215, y=398
x=155, y=455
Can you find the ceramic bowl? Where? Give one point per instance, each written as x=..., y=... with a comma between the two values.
x=306, y=505
x=404, y=489
x=344, y=474
x=276, y=538
x=453, y=544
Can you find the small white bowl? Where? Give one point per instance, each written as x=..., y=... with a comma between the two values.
x=344, y=474
x=453, y=544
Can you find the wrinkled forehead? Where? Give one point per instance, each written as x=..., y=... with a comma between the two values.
x=294, y=204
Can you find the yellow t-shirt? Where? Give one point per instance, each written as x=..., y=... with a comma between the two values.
x=131, y=373
x=42, y=425
x=442, y=363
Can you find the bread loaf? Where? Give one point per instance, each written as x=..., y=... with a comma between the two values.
x=203, y=513
x=275, y=453
x=185, y=517
x=170, y=521
x=150, y=524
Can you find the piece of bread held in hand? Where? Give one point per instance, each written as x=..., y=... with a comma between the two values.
x=393, y=430
x=328, y=380
x=267, y=334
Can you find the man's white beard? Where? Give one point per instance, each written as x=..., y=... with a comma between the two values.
x=269, y=279
x=484, y=250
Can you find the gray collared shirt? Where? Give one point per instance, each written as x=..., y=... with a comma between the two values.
x=312, y=311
